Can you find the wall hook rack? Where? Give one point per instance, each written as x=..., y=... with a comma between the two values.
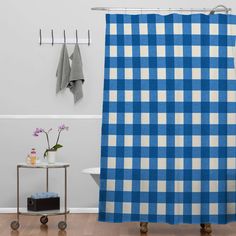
x=52, y=40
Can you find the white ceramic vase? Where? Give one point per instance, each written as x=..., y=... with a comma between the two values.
x=51, y=157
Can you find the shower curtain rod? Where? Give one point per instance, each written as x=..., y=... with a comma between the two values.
x=220, y=8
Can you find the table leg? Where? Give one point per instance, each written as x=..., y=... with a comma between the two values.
x=46, y=179
x=65, y=194
x=18, y=192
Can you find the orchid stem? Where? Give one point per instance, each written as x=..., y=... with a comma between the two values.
x=47, y=139
x=58, y=137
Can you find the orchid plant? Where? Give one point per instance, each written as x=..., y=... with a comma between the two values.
x=57, y=145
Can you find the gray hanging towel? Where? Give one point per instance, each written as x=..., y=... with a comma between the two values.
x=63, y=70
x=76, y=74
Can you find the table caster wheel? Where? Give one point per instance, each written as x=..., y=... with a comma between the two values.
x=143, y=227
x=15, y=225
x=202, y=226
x=62, y=225
x=44, y=220
x=206, y=228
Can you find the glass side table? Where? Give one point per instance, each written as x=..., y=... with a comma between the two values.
x=44, y=214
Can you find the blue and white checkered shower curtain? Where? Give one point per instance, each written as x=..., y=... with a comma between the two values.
x=169, y=119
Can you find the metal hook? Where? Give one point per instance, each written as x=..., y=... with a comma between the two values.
x=89, y=38
x=76, y=35
x=52, y=37
x=64, y=33
x=40, y=37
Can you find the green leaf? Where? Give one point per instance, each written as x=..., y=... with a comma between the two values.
x=57, y=146
x=45, y=153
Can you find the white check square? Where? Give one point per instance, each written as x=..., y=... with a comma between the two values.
x=179, y=96
x=112, y=118
x=144, y=186
x=196, y=163
x=113, y=51
x=129, y=96
x=179, y=118
x=128, y=140
x=128, y=164
x=127, y=29
x=161, y=140
x=196, y=28
x=214, y=51
x=126, y=207
x=128, y=51
x=160, y=28
x=144, y=163
x=161, y=96
x=144, y=208
x=196, y=141
x=128, y=73
x=161, y=73
x=113, y=73
x=161, y=163
x=113, y=29
x=161, y=186
x=127, y=185
x=129, y=118
x=145, y=96
x=161, y=208
x=111, y=162
x=161, y=118
x=196, y=51
x=178, y=51
x=161, y=51
x=143, y=28
x=144, y=73
x=214, y=29
x=144, y=140
x=144, y=51
x=145, y=118
x=179, y=186
x=179, y=140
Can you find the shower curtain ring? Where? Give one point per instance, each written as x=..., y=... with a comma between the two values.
x=64, y=33
x=227, y=10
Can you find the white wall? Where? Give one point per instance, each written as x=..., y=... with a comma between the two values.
x=27, y=86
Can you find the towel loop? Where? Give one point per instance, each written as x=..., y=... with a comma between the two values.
x=88, y=37
x=52, y=34
x=40, y=37
x=76, y=35
x=64, y=34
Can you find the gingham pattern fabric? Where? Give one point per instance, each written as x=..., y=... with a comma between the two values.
x=169, y=119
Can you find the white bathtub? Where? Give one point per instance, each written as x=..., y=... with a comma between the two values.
x=94, y=172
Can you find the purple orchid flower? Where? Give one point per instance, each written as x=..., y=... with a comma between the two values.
x=57, y=145
x=38, y=131
x=62, y=127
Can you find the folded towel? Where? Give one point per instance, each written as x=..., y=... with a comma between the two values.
x=76, y=75
x=63, y=69
x=41, y=195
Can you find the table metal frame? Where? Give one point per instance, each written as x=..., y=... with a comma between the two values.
x=47, y=167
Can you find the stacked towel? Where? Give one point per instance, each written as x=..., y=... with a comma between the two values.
x=71, y=77
x=41, y=195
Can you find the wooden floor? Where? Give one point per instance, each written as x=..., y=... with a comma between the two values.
x=87, y=225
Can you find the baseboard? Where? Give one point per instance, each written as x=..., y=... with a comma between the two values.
x=72, y=210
